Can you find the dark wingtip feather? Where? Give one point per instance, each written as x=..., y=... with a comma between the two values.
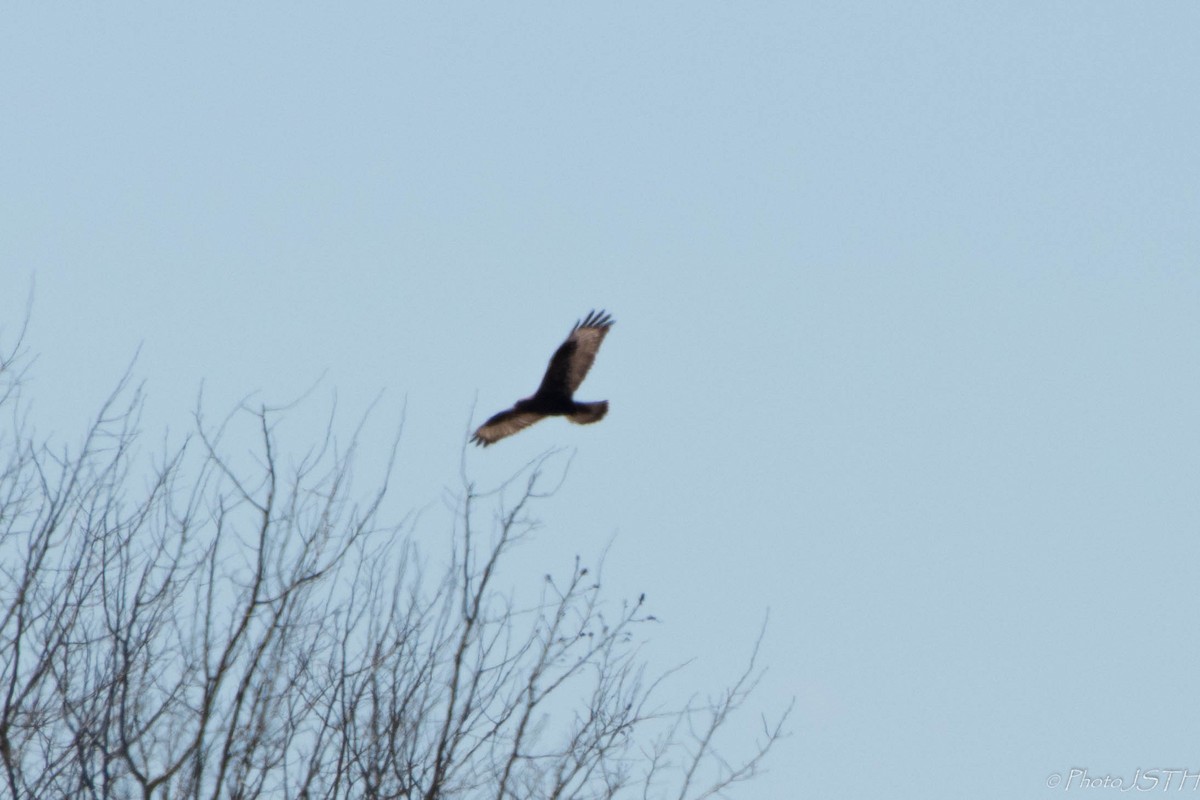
x=594, y=319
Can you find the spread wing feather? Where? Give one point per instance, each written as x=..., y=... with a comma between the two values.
x=574, y=357
x=506, y=423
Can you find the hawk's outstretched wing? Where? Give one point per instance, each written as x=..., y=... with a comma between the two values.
x=506, y=423
x=574, y=357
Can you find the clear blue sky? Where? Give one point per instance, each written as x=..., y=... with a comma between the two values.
x=908, y=303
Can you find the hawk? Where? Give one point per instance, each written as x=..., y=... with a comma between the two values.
x=568, y=367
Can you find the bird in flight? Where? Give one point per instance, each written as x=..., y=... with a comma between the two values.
x=568, y=367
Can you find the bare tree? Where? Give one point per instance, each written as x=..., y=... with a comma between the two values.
x=206, y=623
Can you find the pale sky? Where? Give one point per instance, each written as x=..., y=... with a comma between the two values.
x=908, y=321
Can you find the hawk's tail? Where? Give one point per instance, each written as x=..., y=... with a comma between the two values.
x=587, y=413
